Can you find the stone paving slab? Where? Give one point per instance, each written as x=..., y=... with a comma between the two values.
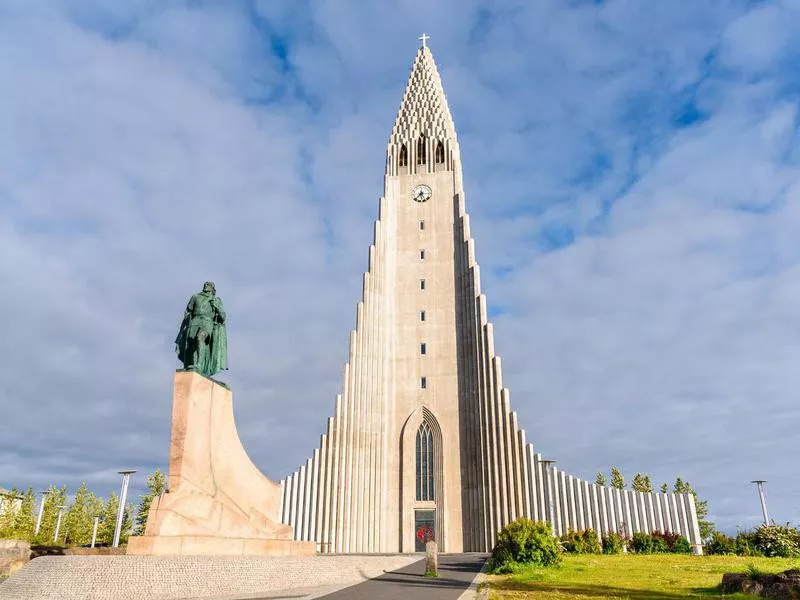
x=193, y=577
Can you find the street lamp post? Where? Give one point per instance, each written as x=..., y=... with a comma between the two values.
x=58, y=523
x=94, y=530
x=41, y=511
x=123, y=495
x=760, y=483
x=549, y=484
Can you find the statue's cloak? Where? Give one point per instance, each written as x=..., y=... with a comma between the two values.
x=219, y=349
x=182, y=341
x=218, y=360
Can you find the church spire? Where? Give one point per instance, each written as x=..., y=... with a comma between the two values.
x=423, y=130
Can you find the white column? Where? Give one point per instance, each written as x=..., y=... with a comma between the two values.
x=283, y=500
x=123, y=497
x=667, y=513
x=694, y=530
x=94, y=530
x=605, y=520
x=527, y=510
x=296, y=487
x=41, y=512
x=683, y=518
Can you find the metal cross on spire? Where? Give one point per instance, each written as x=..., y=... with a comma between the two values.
x=424, y=37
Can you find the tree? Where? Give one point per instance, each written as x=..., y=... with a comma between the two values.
x=600, y=479
x=7, y=515
x=156, y=484
x=53, y=501
x=701, y=506
x=617, y=480
x=16, y=520
x=79, y=518
x=108, y=521
x=25, y=520
x=664, y=488
x=641, y=483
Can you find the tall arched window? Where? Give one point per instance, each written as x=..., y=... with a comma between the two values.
x=403, y=156
x=424, y=462
x=421, y=146
x=439, y=156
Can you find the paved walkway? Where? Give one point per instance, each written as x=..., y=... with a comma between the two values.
x=456, y=572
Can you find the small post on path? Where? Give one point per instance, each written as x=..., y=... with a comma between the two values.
x=431, y=559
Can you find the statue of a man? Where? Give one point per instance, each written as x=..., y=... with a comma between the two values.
x=202, y=342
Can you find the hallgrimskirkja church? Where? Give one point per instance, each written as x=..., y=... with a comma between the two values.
x=422, y=434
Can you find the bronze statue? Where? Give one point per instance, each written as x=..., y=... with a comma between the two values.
x=202, y=342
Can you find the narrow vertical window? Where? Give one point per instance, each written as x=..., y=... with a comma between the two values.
x=423, y=382
x=422, y=254
x=422, y=315
x=403, y=160
x=422, y=348
x=422, y=284
x=421, y=146
x=421, y=225
x=424, y=457
x=440, y=152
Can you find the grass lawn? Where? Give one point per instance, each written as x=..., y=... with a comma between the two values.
x=657, y=576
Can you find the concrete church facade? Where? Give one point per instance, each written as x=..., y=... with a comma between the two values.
x=423, y=433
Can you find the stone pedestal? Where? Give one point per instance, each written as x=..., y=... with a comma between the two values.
x=431, y=559
x=218, y=502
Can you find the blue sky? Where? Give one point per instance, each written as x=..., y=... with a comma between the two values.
x=631, y=171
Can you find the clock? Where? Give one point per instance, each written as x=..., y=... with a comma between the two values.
x=421, y=193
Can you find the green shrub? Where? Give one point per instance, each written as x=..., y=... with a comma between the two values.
x=659, y=542
x=658, y=545
x=746, y=544
x=613, y=543
x=581, y=542
x=501, y=561
x=591, y=542
x=669, y=541
x=642, y=543
x=720, y=544
x=667, y=537
x=524, y=542
x=682, y=546
x=778, y=540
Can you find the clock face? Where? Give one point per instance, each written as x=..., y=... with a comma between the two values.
x=421, y=193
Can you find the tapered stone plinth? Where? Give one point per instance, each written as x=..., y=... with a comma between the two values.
x=218, y=501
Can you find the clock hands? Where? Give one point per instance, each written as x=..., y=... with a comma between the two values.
x=421, y=193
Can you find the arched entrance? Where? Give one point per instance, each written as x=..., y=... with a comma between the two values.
x=422, y=500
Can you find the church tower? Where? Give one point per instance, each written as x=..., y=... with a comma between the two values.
x=423, y=436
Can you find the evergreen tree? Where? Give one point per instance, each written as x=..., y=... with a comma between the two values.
x=600, y=479
x=156, y=484
x=664, y=488
x=617, y=480
x=79, y=519
x=55, y=498
x=641, y=483
x=25, y=519
x=127, y=523
x=15, y=520
x=6, y=516
x=108, y=520
x=701, y=506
